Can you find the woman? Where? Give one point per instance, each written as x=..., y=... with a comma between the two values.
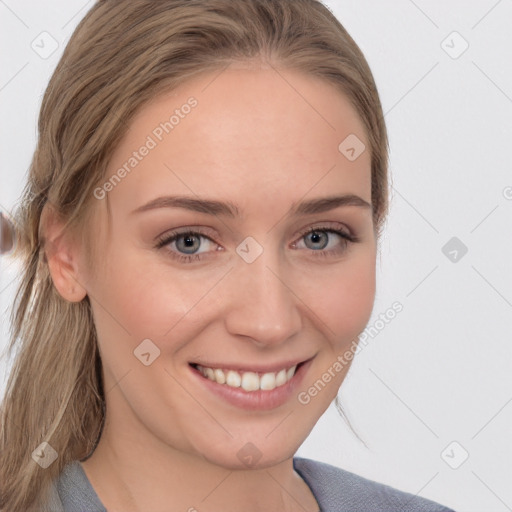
x=199, y=233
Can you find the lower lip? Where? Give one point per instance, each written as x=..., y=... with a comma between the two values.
x=260, y=400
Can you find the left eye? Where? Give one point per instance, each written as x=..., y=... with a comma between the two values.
x=320, y=237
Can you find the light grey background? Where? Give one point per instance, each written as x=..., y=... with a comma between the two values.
x=440, y=371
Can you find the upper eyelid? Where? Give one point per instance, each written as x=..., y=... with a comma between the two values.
x=320, y=227
x=212, y=233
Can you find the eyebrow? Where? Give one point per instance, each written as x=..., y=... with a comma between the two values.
x=229, y=209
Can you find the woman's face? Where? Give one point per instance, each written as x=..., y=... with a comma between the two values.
x=246, y=160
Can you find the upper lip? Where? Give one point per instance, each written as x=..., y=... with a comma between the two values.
x=258, y=368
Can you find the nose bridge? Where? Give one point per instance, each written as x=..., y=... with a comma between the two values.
x=262, y=305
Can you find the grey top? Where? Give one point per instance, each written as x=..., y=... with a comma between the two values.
x=335, y=490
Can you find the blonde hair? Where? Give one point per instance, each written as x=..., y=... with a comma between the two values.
x=121, y=55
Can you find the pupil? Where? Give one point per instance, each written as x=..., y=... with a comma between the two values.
x=316, y=237
x=188, y=242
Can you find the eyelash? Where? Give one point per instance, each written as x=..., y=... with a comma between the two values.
x=174, y=235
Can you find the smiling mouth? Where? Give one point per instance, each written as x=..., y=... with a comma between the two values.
x=248, y=380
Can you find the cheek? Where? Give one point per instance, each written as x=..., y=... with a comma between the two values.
x=343, y=307
x=357, y=297
x=140, y=299
x=345, y=301
x=144, y=297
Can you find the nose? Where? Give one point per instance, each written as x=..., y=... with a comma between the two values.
x=263, y=304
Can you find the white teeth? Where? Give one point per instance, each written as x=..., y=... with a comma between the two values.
x=219, y=376
x=268, y=381
x=248, y=381
x=281, y=378
x=233, y=379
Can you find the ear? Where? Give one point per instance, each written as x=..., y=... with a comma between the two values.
x=61, y=254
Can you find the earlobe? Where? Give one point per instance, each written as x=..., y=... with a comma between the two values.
x=61, y=257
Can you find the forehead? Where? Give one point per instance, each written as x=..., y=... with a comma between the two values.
x=246, y=135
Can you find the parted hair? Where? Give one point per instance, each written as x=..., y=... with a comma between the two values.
x=121, y=55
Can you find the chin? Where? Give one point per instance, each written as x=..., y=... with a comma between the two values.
x=238, y=454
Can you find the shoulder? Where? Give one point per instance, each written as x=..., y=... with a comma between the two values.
x=72, y=492
x=338, y=490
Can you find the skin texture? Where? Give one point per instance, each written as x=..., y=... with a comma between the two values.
x=256, y=141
